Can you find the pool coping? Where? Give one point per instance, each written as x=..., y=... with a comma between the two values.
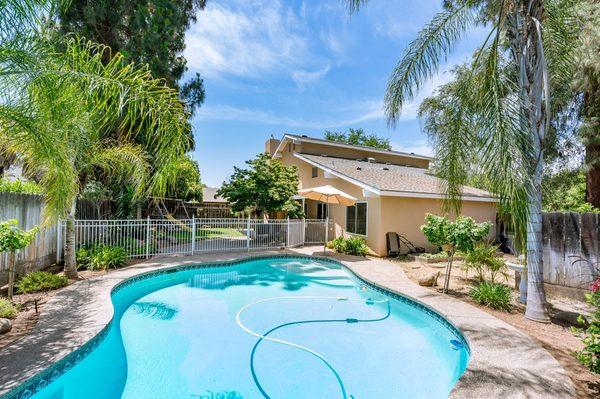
x=504, y=362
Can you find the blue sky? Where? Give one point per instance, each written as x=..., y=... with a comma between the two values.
x=275, y=67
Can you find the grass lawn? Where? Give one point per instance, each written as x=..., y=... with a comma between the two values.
x=218, y=232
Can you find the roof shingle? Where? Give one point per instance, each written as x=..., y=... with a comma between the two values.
x=385, y=177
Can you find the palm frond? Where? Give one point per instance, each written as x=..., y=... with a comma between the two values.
x=354, y=5
x=422, y=57
x=124, y=163
x=560, y=34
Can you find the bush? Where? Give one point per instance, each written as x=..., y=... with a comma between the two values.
x=337, y=244
x=437, y=255
x=483, y=257
x=493, y=295
x=40, y=281
x=101, y=257
x=8, y=310
x=19, y=186
x=83, y=256
x=106, y=257
x=352, y=245
x=589, y=356
x=356, y=246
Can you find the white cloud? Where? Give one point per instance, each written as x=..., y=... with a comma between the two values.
x=364, y=112
x=303, y=77
x=246, y=39
x=419, y=147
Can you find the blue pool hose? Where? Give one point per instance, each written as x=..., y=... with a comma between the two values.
x=283, y=342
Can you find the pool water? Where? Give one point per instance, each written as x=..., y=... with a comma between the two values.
x=324, y=333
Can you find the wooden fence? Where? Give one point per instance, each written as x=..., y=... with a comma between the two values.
x=571, y=249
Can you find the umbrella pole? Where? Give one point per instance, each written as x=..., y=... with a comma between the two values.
x=326, y=226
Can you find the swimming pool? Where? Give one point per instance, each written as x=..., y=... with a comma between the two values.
x=278, y=327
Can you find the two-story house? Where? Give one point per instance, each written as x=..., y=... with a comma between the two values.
x=394, y=189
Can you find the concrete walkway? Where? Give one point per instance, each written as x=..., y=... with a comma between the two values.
x=505, y=363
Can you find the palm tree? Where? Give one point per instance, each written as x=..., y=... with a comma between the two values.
x=60, y=104
x=502, y=113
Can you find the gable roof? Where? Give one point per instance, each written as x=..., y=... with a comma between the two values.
x=390, y=180
x=209, y=194
x=302, y=138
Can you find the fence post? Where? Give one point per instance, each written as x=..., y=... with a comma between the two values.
x=326, y=229
x=303, y=231
x=287, y=237
x=147, y=237
x=193, y=234
x=248, y=234
x=58, y=241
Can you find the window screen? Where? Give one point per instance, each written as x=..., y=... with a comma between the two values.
x=356, y=218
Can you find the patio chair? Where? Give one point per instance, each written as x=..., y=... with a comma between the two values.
x=393, y=243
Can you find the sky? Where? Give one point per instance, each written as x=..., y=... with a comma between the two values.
x=272, y=67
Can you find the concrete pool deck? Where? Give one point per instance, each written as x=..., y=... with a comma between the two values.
x=505, y=363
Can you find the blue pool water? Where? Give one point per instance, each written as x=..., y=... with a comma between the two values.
x=325, y=335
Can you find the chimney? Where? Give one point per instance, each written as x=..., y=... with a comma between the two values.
x=271, y=145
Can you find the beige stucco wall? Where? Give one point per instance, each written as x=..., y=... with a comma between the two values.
x=399, y=214
x=406, y=215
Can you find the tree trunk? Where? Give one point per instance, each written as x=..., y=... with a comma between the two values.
x=593, y=172
x=70, y=260
x=448, y=270
x=526, y=47
x=591, y=138
x=12, y=264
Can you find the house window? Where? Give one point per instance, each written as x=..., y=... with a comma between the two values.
x=356, y=218
x=321, y=210
x=315, y=172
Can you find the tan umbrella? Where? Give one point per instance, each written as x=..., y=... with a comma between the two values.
x=329, y=195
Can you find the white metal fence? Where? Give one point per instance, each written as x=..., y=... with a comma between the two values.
x=142, y=238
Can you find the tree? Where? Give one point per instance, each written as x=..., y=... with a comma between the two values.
x=358, y=137
x=565, y=191
x=459, y=235
x=186, y=185
x=265, y=186
x=145, y=32
x=587, y=81
x=505, y=136
x=61, y=101
x=12, y=239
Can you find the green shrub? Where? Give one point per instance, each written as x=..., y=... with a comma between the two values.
x=8, y=310
x=461, y=234
x=589, y=356
x=40, y=281
x=19, y=186
x=483, y=258
x=356, y=246
x=83, y=256
x=106, y=257
x=352, y=245
x=438, y=255
x=101, y=257
x=337, y=244
x=493, y=295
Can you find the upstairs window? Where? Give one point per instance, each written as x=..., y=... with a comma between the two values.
x=356, y=218
x=315, y=172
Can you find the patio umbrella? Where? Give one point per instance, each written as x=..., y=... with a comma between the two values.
x=329, y=195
